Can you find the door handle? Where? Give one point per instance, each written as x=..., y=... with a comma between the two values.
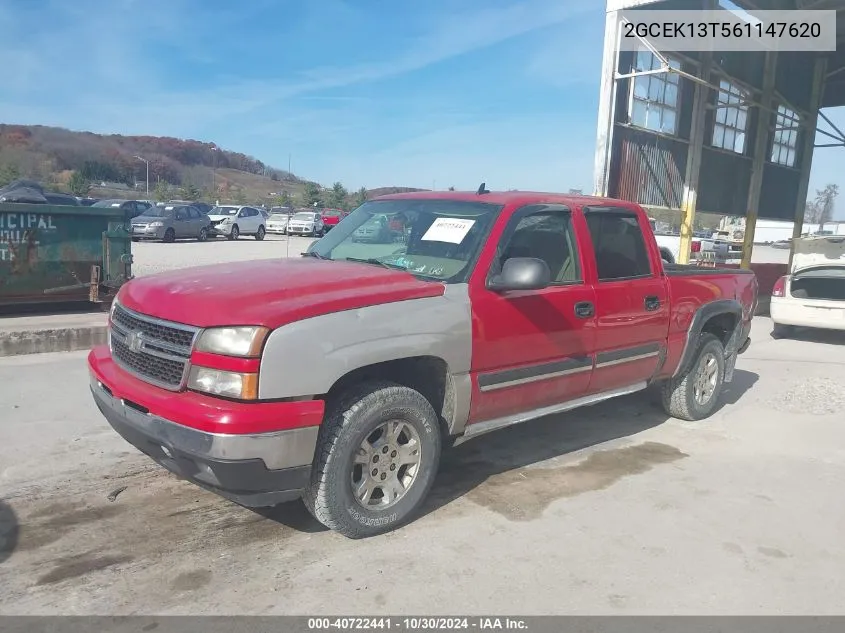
x=652, y=303
x=584, y=309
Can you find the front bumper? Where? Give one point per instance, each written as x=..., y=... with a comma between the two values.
x=252, y=469
x=301, y=230
x=148, y=233
x=220, y=229
x=276, y=229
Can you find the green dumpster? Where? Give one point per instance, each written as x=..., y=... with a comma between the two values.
x=51, y=254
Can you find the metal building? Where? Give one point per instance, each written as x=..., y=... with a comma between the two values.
x=731, y=133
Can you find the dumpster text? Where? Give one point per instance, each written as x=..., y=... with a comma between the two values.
x=21, y=228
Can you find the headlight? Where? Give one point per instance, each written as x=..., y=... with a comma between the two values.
x=156, y=224
x=224, y=383
x=244, y=341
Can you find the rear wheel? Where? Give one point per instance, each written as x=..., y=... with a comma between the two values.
x=170, y=235
x=694, y=394
x=234, y=233
x=377, y=455
x=260, y=234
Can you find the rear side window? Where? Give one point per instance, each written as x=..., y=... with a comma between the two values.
x=545, y=232
x=618, y=243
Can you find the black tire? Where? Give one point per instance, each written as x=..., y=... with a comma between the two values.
x=780, y=330
x=666, y=256
x=678, y=394
x=234, y=233
x=260, y=234
x=170, y=236
x=203, y=236
x=351, y=418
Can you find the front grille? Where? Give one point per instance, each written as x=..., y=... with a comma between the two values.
x=155, y=351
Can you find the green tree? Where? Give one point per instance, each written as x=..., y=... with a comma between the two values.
x=161, y=193
x=190, y=192
x=312, y=196
x=8, y=173
x=337, y=197
x=78, y=184
x=360, y=196
x=452, y=188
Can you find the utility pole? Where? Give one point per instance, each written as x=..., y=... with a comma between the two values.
x=147, y=163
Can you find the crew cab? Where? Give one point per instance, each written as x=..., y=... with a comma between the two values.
x=339, y=377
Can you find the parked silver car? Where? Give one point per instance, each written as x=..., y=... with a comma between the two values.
x=277, y=223
x=169, y=223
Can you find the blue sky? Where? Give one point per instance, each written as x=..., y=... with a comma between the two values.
x=370, y=92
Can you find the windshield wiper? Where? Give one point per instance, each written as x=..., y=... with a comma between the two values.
x=377, y=262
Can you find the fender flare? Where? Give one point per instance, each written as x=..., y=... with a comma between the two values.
x=699, y=319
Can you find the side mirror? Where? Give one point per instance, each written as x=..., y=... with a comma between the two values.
x=521, y=273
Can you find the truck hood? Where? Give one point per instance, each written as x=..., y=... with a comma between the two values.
x=269, y=292
x=826, y=250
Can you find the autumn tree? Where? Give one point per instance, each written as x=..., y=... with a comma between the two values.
x=312, y=195
x=337, y=196
x=824, y=204
x=9, y=173
x=360, y=196
x=161, y=193
x=78, y=184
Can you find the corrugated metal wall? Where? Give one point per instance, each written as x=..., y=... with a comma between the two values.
x=650, y=168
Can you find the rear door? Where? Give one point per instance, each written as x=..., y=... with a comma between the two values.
x=632, y=303
x=197, y=220
x=533, y=348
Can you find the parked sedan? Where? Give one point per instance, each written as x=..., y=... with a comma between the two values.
x=813, y=293
x=277, y=223
x=169, y=223
x=306, y=223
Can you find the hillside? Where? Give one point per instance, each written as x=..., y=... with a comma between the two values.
x=107, y=166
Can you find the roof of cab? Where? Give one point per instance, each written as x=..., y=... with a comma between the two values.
x=511, y=198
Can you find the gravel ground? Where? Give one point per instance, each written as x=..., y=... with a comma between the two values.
x=612, y=509
x=155, y=257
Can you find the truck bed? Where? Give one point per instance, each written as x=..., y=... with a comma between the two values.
x=682, y=270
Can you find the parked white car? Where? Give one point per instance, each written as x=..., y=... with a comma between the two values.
x=234, y=221
x=813, y=293
x=670, y=245
x=277, y=223
x=306, y=223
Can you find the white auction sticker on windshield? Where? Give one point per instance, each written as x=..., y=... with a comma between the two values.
x=450, y=230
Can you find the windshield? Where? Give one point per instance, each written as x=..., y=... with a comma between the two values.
x=434, y=239
x=157, y=212
x=224, y=211
x=278, y=216
x=331, y=213
x=108, y=203
x=304, y=216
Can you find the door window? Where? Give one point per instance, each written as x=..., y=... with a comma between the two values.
x=180, y=214
x=618, y=243
x=546, y=233
x=193, y=213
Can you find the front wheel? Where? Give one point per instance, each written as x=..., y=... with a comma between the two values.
x=260, y=234
x=170, y=236
x=377, y=454
x=203, y=236
x=694, y=394
x=234, y=233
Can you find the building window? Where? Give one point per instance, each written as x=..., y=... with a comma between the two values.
x=654, y=98
x=786, y=137
x=731, y=118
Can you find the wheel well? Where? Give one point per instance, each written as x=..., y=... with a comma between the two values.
x=427, y=374
x=721, y=325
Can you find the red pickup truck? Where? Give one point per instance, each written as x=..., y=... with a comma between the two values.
x=339, y=376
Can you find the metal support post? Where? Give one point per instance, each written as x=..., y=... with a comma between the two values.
x=696, y=145
x=807, y=148
x=607, y=103
x=761, y=143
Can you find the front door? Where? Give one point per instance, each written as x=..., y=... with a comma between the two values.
x=532, y=349
x=632, y=305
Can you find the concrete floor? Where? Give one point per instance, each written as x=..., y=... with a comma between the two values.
x=613, y=509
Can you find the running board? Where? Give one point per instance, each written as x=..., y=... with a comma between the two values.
x=479, y=428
